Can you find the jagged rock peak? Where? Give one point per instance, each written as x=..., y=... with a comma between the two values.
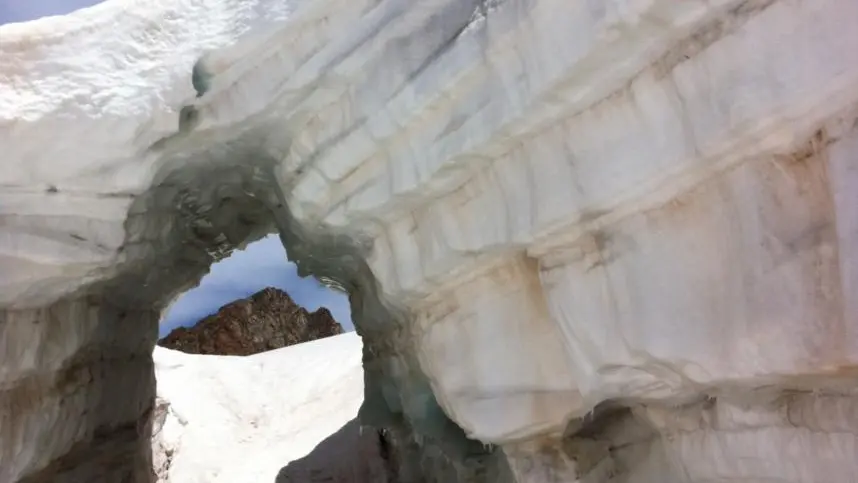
x=267, y=320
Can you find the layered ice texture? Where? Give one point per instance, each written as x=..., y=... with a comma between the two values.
x=604, y=241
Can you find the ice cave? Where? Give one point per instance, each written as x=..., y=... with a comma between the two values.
x=583, y=241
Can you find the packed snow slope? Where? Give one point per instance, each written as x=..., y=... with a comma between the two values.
x=231, y=419
x=604, y=241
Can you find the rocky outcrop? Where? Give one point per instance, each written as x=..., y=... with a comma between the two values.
x=267, y=320
x=610, y=241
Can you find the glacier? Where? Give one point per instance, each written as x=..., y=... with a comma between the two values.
x=605, y=241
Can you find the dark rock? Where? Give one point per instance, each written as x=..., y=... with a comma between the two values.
x=351, y=455
x=267, y=320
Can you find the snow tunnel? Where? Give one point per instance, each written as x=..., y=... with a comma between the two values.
x=583, y=241
x=101, y=334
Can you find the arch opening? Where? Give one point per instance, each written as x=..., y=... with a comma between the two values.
x=195, y=214
x=397, y=396
x=257, y=292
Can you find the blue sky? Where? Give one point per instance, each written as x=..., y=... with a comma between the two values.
x=261, y=264
x=22, y=10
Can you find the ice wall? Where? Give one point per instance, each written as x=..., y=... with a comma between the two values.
x=596, y=241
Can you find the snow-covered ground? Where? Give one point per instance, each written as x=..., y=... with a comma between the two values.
x=241, y=419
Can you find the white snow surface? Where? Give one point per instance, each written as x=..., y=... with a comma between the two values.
x=240, y=419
